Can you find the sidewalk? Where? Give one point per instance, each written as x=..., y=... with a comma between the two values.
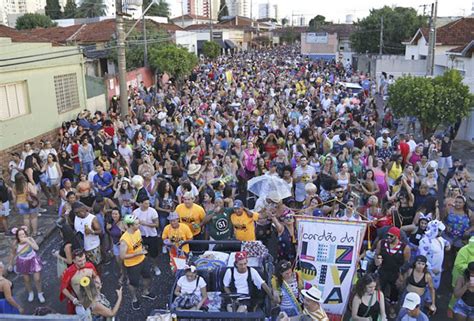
x=464, y=150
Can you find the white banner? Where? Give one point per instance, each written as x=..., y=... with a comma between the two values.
x=317, y=37
x=328, y=252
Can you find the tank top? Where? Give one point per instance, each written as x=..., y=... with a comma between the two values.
x=417, y=236
x=90, y=241
x=115, y=233
x=52, y=171
x=373, y=311
x=134, y=245
x=395, y=171
x=392, y=259
x=468, y=298
x=420, y=284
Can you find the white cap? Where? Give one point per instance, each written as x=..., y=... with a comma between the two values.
x=412, y=300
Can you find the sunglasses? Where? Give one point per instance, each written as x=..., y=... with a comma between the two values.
x=391, y=236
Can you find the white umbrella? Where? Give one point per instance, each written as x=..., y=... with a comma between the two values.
x=269, y=185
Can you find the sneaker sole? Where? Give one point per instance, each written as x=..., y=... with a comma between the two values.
x=149, y=297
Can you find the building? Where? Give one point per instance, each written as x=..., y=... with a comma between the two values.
x=10, y=10
x=268, y=11
x=328, y=42
x=190, y=19
x=37, y=94
x=177, y=8
x=239, y=8
x=204, y=8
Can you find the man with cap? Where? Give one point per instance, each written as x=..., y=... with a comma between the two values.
x=411, y=310
x=245, y=280
x=88, y=225
x=243, y=222
x=312, y=304
x=174, y=234
x=391, y=255
x=133, y=255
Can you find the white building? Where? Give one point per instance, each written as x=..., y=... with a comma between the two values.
x=267, y=11
x=203, y=8
x=239, y=8
x=177, y=8
x=10, y=10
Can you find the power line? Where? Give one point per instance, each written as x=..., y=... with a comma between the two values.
x=43, y=59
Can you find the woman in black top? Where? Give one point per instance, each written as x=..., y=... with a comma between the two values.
x=368, y=300
x=67, y=166
x=70, y=243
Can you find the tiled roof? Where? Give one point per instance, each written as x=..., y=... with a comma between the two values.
x=456, y=33
x=57, y=34
x=17, y=36
x=190, y=16
x=465, y=50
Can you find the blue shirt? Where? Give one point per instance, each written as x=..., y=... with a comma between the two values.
x=102, y=181
x=403, y=316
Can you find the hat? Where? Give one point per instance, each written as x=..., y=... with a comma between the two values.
x=77, y=205
x=394, y=231
x=173, y=216
x=274, y=196
x=193, y=169
x=130, y=219
x=238, y=204
x=313, y=294
x=412, y=300
x=239, y=256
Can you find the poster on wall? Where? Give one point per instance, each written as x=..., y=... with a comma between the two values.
x=328, y=251
x=317, y=37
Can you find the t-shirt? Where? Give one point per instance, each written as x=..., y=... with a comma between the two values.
x=103, y=181
x=180, y=234
x=403, y=316
x=244, y=226
x=134, y=245
x=147, y=216
x=240, y=280
x=188, y=287
x=220, y=226
x=126, y=153
x=191, y=216
x=306, y=175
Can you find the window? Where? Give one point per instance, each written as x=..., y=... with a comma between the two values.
x=13, y=100
x=67, y=93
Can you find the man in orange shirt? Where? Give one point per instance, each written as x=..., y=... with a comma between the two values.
x=192, y=215
x=243, y=222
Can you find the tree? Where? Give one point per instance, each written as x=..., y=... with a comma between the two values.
x=211, y=49
x=289, y=35
x=70, y=9
x=223, y=10
x=317, y=22
x=178, y=62
x=34, y=20
x=161, y=9
x=399, y=24
x=284, y=21
x=53, y=9
x=443, y=100
x=91, y=9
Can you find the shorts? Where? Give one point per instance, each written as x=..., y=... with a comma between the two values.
x=151, y=245
x=53, y=182
x=445, y=162
x=6, y=209
x=94, y=256
x=134, y=272
x=24, y=209
x=460, y=307
x=116, y=249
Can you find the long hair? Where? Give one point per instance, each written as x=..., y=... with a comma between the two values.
x=362, y=284
x=20, y=183
x=87, y=294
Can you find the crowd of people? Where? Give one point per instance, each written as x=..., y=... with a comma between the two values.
x=132, y=188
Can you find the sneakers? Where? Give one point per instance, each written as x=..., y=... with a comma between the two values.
x=135, y=305
x=43, y=210
x=31, y=296
x=157, y=271
x=41, y=297
x=149, y=295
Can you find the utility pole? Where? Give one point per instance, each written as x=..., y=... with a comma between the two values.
x=122, y=64
x=145, y=51
x=381, y=37
x=432, y=40
x=210, y=20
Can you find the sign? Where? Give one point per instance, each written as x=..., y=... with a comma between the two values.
x=328, y=251
x=317, y=37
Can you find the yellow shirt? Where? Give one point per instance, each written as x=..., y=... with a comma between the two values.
x=134, y=245
x=395, y=172
x=180, y=234
x=191, y=216
x=244, y=226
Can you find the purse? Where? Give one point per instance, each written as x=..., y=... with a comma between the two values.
x=188, y=300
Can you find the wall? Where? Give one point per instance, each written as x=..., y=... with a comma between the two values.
x=399, y=66
x=329, y=48
x=97, y=103
x=43, y=114
x=134, y=78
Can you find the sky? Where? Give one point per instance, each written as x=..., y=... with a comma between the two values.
x=337, y=10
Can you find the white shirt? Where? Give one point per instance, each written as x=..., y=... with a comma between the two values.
x=13, y=168
x=240, y=280
x=126, y=153
x=90, y=241
x=190, y=287
x=412, y=145
x=90, y=176
x=147, y=217
x=308, y=173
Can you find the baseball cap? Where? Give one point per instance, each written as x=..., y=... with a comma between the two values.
x=238, y=204
x=412, y=300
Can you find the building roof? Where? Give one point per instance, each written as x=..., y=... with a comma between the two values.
x=18, y=36
x=216, y=26
x=343, y=30
x=190, y=17
x=465, y=50
x=455, y=33
x=57, y=34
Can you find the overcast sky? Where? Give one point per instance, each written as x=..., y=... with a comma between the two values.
x=337, y=10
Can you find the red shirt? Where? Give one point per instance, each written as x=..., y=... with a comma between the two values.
x=110, y=131
x=404, y=150
x=75, y=152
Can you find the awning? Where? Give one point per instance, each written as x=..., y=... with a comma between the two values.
x=229, y=44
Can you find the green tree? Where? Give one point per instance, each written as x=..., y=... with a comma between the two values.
x=34, y=20
x=399, y=24
x=178, y=62
x=317, y=22
x=284, y=21
x=91, y=9
x=70, y=9
x=443, y=100
x=211, y=49
x=289, y=35
x=161, y=9
x=53, y=9
x=223, y=10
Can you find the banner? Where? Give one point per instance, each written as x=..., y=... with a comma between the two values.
x=328, y=251
x=317, y=37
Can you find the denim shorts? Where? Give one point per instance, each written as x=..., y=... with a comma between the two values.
x=24, y=209
x=6, y=209
x=460, y=307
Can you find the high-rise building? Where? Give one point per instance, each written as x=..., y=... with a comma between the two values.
x=267, y=11
x=239, y=7
x=177, y=7
x=204, y=8
x=10, y=10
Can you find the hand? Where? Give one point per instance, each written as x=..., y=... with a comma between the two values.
x=56, y=253
x=433, y=308
x=108, y=226
x=88, y=231
x=22, y=311
x=119, y=292
x=76, y=301
x=144, y=252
